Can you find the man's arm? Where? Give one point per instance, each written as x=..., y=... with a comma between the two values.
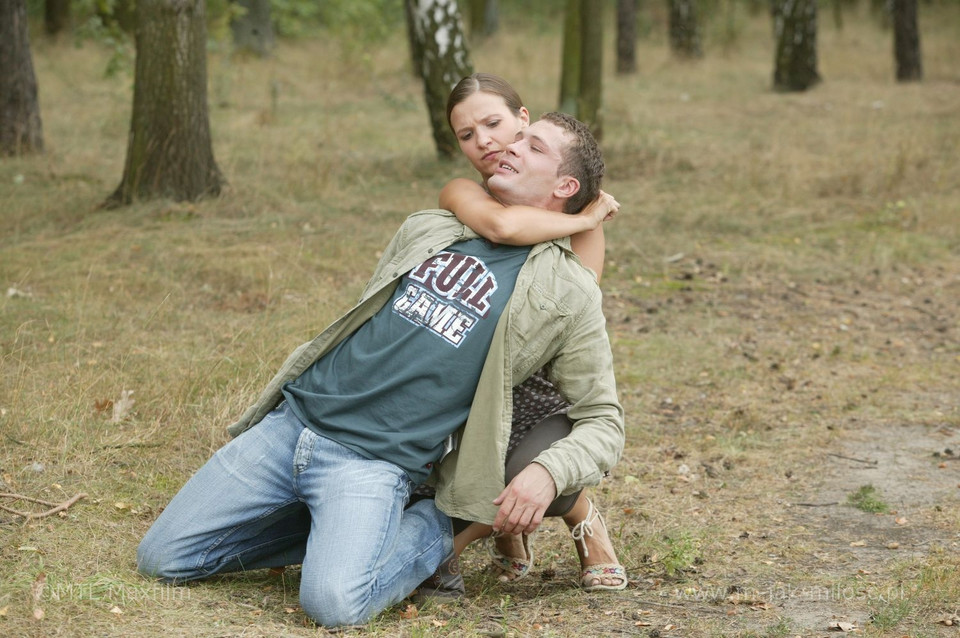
x=583, y=372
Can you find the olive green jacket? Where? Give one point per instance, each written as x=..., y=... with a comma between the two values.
x=553, y=317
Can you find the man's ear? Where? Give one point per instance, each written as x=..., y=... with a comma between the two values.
x=567, y=187
x=524, y=116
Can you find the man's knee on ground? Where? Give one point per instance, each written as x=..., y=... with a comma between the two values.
x=162, y=563
x=331, y=606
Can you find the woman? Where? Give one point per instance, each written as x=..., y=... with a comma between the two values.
x=486, y=114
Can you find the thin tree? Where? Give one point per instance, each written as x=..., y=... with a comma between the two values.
x=795, y=32
x=484, y=18
x=445, y=59
x=626, y=36
x=21, y=131
x=685, y=39
x=169, y=152
x=581, y=76
x=571, y=58
x=590, y=107
x=416, y=47
x=252, y=28
x=906, y=39
x=56, y=16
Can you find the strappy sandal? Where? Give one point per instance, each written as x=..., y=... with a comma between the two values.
x=509, y=565
x=591, y=578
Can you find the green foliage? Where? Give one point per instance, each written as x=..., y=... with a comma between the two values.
x=95, y=20
x=867, y=499
x=362, y=23
x=682, y=551
x=292, y=18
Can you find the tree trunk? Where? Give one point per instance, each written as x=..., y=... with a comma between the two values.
x=571, y=58
x=626, y=36
x=685, y=39
x=484, y=18
x=795, y=29
x=21, y=131
x=416, y=47
x=590, y=106
x=56, y=16
x=906, y=41
x=253, y=31
x=169, y=152
x=438, y=29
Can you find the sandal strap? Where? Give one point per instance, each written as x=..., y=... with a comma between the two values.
x=585, y=528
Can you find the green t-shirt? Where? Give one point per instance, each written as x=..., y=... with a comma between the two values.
x=404, y=381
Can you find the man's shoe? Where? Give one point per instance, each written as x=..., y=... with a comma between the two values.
x=446, y=584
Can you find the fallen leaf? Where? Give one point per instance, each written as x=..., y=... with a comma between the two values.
x=116, y=610
x=858, y=544
x=950, y=621
x=900, y=521
x=290, y=610
x=893, y=545
x=443, y=623
x=641, y=623
x=409, y=612
x=668, y=628
x=839, y=625
x=121, y=505
x=3, y=611
x=38, y=613
x=102, y=405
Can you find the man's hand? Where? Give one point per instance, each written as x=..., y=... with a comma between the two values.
x=523, y=502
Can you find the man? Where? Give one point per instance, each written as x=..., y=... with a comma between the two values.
x=323, y=463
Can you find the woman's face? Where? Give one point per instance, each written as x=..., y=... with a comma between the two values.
x=484, y=125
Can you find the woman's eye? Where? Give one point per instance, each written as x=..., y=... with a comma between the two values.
x=494, y=124
x=465, y=137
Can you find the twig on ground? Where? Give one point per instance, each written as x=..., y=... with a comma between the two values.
x=54, y=507
x=850, y=458
x=816, y=504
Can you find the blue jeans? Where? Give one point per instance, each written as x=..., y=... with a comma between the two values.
x=279, y=494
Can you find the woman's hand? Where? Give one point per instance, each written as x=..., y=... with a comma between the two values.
x=604, y=208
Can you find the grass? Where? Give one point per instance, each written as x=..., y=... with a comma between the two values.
x=868, y=499
x=782, y=280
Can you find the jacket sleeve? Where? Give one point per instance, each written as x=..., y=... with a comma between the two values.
x=582, y=370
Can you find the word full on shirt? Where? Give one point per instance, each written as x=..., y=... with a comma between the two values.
x=443, y=290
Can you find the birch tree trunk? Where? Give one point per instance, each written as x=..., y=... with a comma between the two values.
x=685, y=38
x=795, y=31
x=438, y=29
x=253, y=31
x=169, y=152
x=21, y=131
x=906, y=41
x=626, y=36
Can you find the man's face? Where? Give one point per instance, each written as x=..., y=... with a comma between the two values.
x=527, y=173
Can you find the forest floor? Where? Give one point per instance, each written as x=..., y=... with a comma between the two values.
x=782, y=289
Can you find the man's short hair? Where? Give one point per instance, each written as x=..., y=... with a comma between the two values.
x=581, y=158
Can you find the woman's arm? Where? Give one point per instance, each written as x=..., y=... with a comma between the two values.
x=519, y=225
x=590, y=246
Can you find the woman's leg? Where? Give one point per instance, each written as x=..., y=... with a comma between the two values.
x=595, y=548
